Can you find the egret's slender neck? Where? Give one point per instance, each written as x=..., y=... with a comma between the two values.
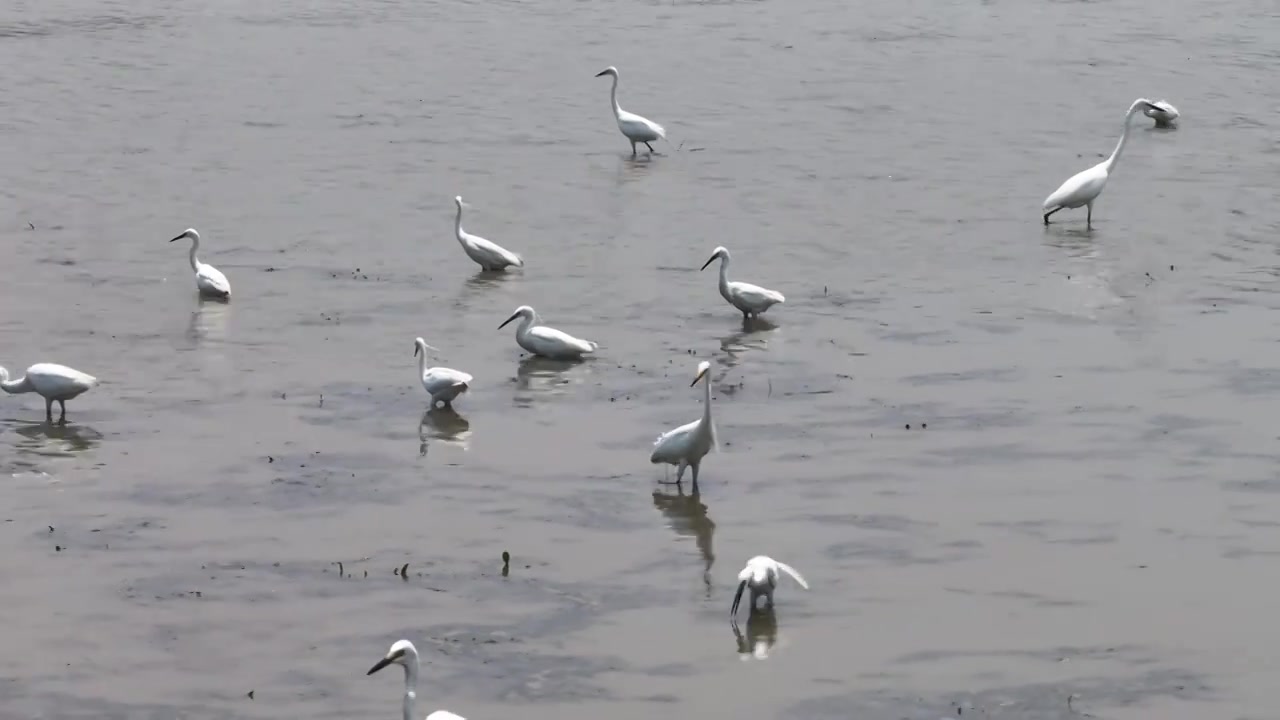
x=195, y=245
x=457, y=224
x=1124, y=138
x=706, y=398
x=422, y=361
x=724, y=275
x=526, y=322
x=613, y=97
x=13, y=386
x=410, y=686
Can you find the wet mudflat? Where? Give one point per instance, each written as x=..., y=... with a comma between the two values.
x=1015, y=463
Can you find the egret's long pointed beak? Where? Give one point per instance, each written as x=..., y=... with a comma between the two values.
x=708, y=262
x=179, y=237
x=695, y=380
x=602, y=72
x=381, y=664
x=416, y=350
x=504, y=324
x=737, y=598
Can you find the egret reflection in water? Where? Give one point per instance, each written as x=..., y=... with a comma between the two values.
x=445, y=425
x=537, y=374
x=752, y=336
x=760, y=637
x=209, y=320
x=687, y=515
x=47, y=439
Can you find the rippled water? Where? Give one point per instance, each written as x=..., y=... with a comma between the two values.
x=1015, y=463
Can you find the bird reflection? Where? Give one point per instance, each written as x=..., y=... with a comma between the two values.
x=741, y=341
x=761, y=635
x=538, y=374
x=46, y=439
x=444, y=424
x=688, y=516
x=209, y=320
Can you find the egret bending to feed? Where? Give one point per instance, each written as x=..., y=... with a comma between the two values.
x=1085, y=186
x=404, y=654
x=209, y=280
x=441, y=383
x=547, y=342
x=636, y=129
x=761, y=575
x=688, y=444
x=488, y=255
x=52, y=382
x=750, y=299
x=1165, y=114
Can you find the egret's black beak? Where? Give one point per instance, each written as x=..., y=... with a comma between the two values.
x=416, y=350
x=708, y=262
x=504, y=324
x=381, y=664
x=695, y=380
x=179, y=237
x=737, y=598
x=602, y=72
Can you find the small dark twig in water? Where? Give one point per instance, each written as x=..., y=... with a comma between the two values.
x=31, y=226
x=404, y=571
x=250, y=695
x=340, y=573
x=1072, y=709
x=506, y=563
x=321, y=399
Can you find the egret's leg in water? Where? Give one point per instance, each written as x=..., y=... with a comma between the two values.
x=1046, y=215
x=1088, y=222
x=695, y=476
x=646, y=144
x=48, y=410
x=63, y=420
x=633, y=148
x=679, y=476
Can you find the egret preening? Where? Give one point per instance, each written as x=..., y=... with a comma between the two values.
x=1084, y=187
x=441, y=383
x=749, y=299
x=1165, y=114
x=688, y=444
x=404, y=654
x=761, y=576
x=52, y=382
x=488, y=255
x=547, y=342
x=636, y=129
x=209, y=280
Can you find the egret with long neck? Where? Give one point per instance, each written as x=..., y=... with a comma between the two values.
x=545, y=341
x=686, y=445
x=1085, y=186
x=441, y=383
x=487, y=254
x=53, y=382
x=209, y=280
x=635, y=128
x=749, y=299
x=404, y=654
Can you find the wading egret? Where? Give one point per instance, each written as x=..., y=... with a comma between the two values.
x=488, y=255
x=1084, y=187
x=761, y=575
x=688, y=444
x=209, y=280
x=636, y=129
x=547, y=342
x=404, y=654
x=748, y=298
x=441, y=383
x=52, y=382
x=1165, y=114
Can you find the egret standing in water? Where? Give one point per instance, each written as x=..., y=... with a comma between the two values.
x=441, y=383
x=52, y=382
x=404, y=654
x=636, y=129
x=209, y=280
x=488, y=255
x=1165, y=114
x=749, y=299
x=761, y=576
x=1085, y=186
x=547, y=342
x=688, y=444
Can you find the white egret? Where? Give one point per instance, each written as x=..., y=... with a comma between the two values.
x=761, y=576
x=441, y=383
x=636, y=129
x=1084, y=187
x=487, y=254
x=209, y=280
x=52, y=382
x=547, y=342
x=1164, y=113
x=749, y=299
x=686, y=445
x=404, y=654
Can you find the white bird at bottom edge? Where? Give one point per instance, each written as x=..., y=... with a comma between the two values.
x=761, y=576
x=52, y=382
x=404, y=654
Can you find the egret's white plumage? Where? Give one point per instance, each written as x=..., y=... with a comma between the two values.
x=686, y=445
x=547, y=342
x=1163, y=112
x=441, y=383
x=761, y=576
x=487, y=254
x=209, y=280
x=749, y=299
x=404, y=654
x=52, y=382
x=637, y=129
x=1084, y=187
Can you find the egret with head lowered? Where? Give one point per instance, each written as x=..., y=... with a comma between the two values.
x=1164, y=113
x=487, y=254
x=441, y=383
x=209, y=280
x=1081, y=189
x=686, y=445
x=404, y=654
x=52, y=382
x=635, y=128
x=761, y=577
x=749, y=299
x=544, y=341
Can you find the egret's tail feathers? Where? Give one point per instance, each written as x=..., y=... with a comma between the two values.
x=517, y=261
